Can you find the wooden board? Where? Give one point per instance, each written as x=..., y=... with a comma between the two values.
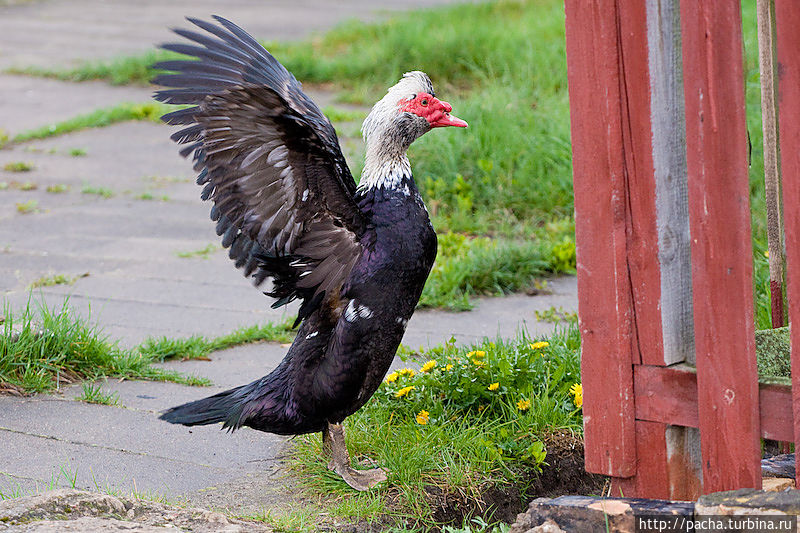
x=605, y=306
x=787, y=17
x=669, y=395
x=722, y=258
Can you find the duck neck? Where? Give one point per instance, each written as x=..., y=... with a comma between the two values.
x=386, y=166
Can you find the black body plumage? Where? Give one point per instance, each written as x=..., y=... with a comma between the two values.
x=288, y=209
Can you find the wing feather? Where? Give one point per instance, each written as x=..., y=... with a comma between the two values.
x=269, y=160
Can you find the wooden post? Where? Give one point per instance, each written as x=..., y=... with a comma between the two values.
x=787, y=15
x=722, y=277
x=632, y=232
x=772, y=173
x=604, y=288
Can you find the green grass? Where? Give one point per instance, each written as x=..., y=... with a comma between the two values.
x=103, y=192
x=18, y=166
x=468, y=267
x=150, y=111
x=57, y=188
x=199, y=347
x=55, y=279
x=148, y=196
x=77, y=152
x=41, y=347
x=487, y=407
x=93, y=393
x=26, y=208
x=118, y=71
x=202, y=253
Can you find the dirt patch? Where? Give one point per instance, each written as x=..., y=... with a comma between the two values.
x=562, y=474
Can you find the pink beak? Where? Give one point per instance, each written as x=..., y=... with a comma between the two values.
x=446, y=119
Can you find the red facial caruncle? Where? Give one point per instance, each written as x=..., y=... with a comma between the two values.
x=435, y=111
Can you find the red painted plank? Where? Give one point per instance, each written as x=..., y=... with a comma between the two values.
x=787, y=17
x=669, y=395
x=605, y=303
x=775, y=412
x=637, y=134
x=666, y=394
x=719, y=211
x=652, y=472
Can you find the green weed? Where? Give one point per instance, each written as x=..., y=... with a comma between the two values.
x=26, y=208
x=56, y=279
x=203, y=253
x=57, y=188
x=556, y=315
x=147, y=196
x=103, y=192
x=93, y=393
x=77, y=152
x=18, y=166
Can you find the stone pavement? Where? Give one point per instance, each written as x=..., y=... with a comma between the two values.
x=137, y=286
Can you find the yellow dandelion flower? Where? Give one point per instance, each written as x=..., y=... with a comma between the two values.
x=478, y=363
x=576, y=389
x=391, y=378
x=524, y=405
x=539, y=345
x=449, y=367
x=427, y=367
x=766, y=254
x=578, y=400
x=407, y=372
x=422, y=417
x=404, y=391
x=480, y=354
x=493, y=386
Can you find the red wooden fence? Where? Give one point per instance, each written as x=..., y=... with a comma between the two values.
x=673, y=406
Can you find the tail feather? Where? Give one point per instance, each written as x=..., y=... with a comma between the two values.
x=225, y=407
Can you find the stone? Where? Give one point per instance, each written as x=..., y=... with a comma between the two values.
x=777, y=484
x=593, y=514
x=74, y=510
x=749, y=502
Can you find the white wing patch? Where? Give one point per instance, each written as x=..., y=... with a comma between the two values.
x=312, y=335
x=355, y=311
x=402, y=321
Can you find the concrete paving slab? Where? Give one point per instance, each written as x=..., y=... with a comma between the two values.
x=53, y=100
x=136, y=433
x=77, y=30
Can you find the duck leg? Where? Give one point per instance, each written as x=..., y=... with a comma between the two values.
x=333, y=446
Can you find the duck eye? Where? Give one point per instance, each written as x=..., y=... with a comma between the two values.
x=424, y=101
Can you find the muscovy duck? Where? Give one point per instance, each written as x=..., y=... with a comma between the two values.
x=289, y=210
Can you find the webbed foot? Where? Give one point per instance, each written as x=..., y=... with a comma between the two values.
x=333, y=446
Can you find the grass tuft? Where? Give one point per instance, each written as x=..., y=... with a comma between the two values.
x=103, y=192
x=93, y=393
x=57, y=188
x=18, y=166
x=42, y=347
x=150, y=111
x=56, y=279
x=203, y=253
x=199, y=347
x=26, y=208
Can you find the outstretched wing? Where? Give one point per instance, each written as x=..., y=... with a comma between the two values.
x=269, y=160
